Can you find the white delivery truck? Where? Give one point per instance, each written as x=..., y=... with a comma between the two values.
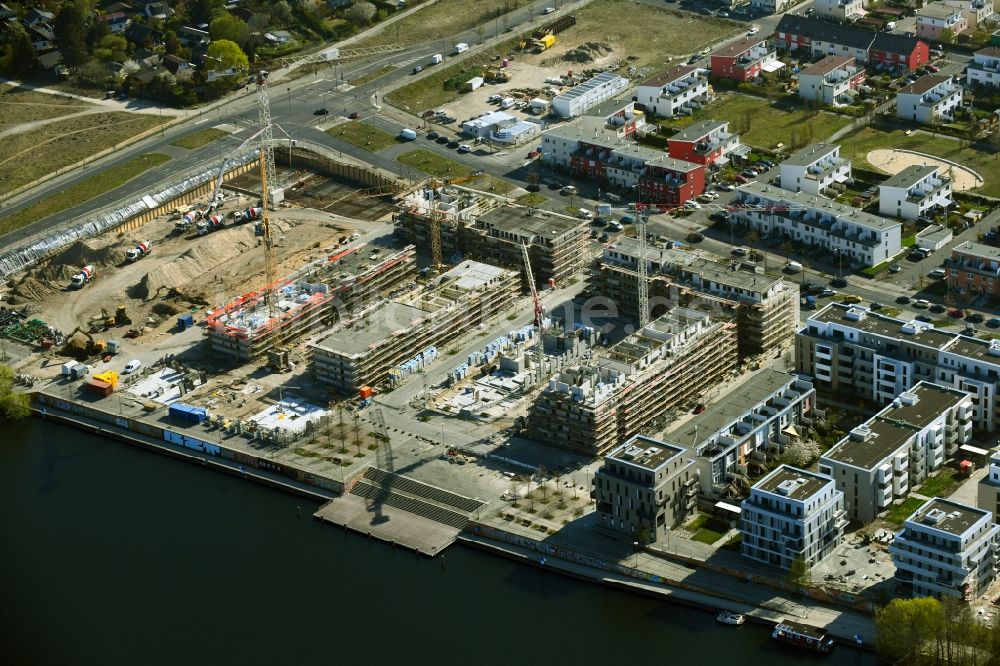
x=437, y=59
x=408, y=135
x=461, y=47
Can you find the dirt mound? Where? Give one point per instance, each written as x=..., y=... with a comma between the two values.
x=195, y=264
x=91, y=251
x=587, y=52
x=75, y=347
x=36, y=290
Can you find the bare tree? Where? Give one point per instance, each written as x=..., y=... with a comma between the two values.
x=361, y=13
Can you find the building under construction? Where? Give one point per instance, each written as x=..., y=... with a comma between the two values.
x=340, y=286
x=668, y=364
x=478, y=226
x=404, y=335
x=767, y=308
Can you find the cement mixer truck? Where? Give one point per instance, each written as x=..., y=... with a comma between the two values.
x=210, y=223
x=187, y=219
x=85, y=275
x=244, y=216
x=138, y=252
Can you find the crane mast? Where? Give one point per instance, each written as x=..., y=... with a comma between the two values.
x=539, y=348
x=643, y=286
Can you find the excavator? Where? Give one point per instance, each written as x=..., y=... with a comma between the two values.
x=121, y=318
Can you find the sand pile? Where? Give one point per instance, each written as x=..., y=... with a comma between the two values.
x=587, y=52
x=91, y=251
x=36, y=290
x=195, y=264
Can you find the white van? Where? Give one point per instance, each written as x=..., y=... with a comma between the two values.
x=408, y=135
x=793, y=267
x=461, y=47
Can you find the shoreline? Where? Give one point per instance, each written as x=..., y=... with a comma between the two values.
x=662, y=590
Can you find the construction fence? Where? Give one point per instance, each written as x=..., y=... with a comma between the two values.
x=363, y=177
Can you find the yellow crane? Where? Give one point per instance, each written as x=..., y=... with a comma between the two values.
x=437, y=259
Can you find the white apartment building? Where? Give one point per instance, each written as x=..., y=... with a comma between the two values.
x=673, y=91
x=946, y=549
x=842, y=10
x=792, y=513
x=760, y=416
x=988, y=493
x=771, y=6
x=575, y=101
x=976, y=11
x=881, y=460
x=931, y=99
x=852, y=350
x=933, y=20
x=863, y=239
x=984, y=69
x=814, y=169
x=914, y=192
x=832, y=80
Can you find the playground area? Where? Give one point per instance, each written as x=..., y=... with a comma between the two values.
x=892, y=161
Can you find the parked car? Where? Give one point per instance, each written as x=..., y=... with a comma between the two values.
x=956, y=313
x=740, y=251
x=921, y=303
x=432, y=135
x=993, y=323
x=726, y=187
x=453, y=144
x=465, y=148
x=933, y=69
x=827, y=292
x=695, y=237
x=937, y=273
x=903, y=300
x=936, y=308
x=876, y=306
x=417, y=69
x=895, y=268
x=924, y=318
x=692, y=205
x=974, y=318
x=132, y=366
x=839, y=282
x=321, y=112
x=354, y=115
x=852, y=299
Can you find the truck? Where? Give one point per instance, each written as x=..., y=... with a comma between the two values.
x=461, y=47
x=248, y=215
x=138, y=252
x=211, y=223
x=808, y=302
x=544, y=42
x=436, y=59
x=86, y=274
x=187, y=219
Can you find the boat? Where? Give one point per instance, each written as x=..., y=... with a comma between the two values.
x=726, y=617
x=802, y=636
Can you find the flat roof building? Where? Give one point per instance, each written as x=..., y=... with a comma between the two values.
x=816, y=169
x=914, y=192
x=577, y=100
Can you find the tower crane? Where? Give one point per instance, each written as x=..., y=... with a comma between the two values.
x=437, y=258
x=539, y=314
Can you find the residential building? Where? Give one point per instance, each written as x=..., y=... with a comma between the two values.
x=974, y=269
x=707, y=142
x=621, y=115
x=931, y=99
x=753, y=421
x=116, y=21
x=680, y=89
x=644, y=488
x=842, y=10
x=977, y=12
x=886, y=457
x=946, y=549
x=988, y=492
x=592, y=407
x=915, y=192
x=191, y=37
x=593, y=150
x=331, y=289
x=832, y=81
x=792, y=514
x=815, y=169
x=488, y=123
x=822, y=38
x=940, y=22
x=766, y=6
x=854, y=351
x=575, y=101
x=745, y=59
x=403, y=335
x=478, y=226
x=764, y=306
x=861, y=238
x=984, y=69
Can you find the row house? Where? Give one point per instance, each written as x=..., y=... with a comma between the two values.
x=914, y=192
x=792, y=514
x=974, y=269
x=984, y=69
x=759, y=416
x=670, y=182
x=815, y=169
x=940, y=22
x=862, y=238
x=680, y=89
x=821, y=38
x=745, y=59
x=841, y=10
x=706, y=142
x=644, y=488
x=883, y=459
x=946, y=549
x=929, y=100
x=831, y=81
x=854, y=351
x=621, y=115
x=977, y=12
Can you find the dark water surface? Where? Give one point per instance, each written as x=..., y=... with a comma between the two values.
x=112, y=555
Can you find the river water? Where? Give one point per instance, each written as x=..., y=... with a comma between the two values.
x=113, y=555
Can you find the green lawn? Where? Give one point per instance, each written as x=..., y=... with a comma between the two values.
x=371, y=76
x=705, y=535
x=531, y=199
x=901, y=512
x=434, y=164
x=81, y=192
x=364, y=136
x=199, y=139
x=937, y=486
x=768, y=125
x=857, y=145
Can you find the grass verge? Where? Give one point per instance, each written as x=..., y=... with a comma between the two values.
x=434, y=164
x=103, y=182
x=20, y=105
x=705, y=535
x=371, y=76
x=937, y=486
x=531, y=199
x=900, y=512
x=364, y=136
x=199, y=139
x=986, y=163
x=30, y=155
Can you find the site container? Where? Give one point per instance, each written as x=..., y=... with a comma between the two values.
x=187, y=414
x=185, y=321
x=101, y=388
x=366, y=392
x=108, y=376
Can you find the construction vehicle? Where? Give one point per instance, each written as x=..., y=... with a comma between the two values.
x=121, y=317
x=497, y=75
x=139, y=251
x=86, y=274
x=187, y=219
x=544, y=42
x=549, y=30
x=211, y=223
x=244, y=216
